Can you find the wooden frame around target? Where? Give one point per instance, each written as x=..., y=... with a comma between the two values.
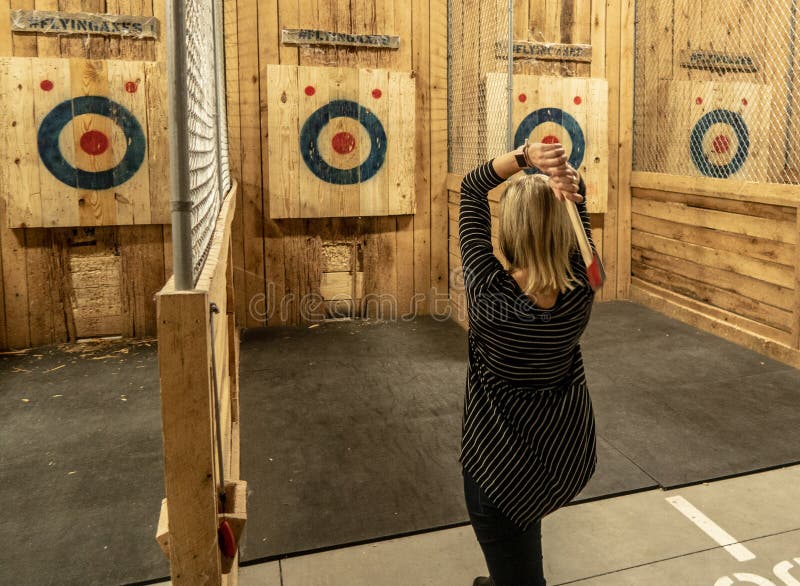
x=341, y=142
x=84, y=143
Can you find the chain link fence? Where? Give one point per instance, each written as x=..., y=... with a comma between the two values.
x=200, y=130
x=715, y=89
x=479, y=81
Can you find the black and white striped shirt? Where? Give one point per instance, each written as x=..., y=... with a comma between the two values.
x=528, y=432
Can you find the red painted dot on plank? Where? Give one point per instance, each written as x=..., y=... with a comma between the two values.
x=578, y=100
x=722, y=144
x=551, y=139
x=131, y=87
x=310, y=90
x=46, y=85
x=699, y=101
x=344, y=143
x=523, y=98
x=744, y=101
x=376, y=93
x=94, y=142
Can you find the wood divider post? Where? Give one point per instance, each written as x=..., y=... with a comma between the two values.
x=186, y=347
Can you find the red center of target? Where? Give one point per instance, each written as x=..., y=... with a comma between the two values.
x=550, y=139
x=94, y=142
x=722, y=144
x=344, y=143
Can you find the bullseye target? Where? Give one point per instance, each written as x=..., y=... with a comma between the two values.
x=331, y=142
x=340, y=142
x=571, y=111
x=710, y=129
x=550, y=126
x=720, y=143
x=93, y=143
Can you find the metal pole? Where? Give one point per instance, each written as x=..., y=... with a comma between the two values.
x=510, y=104
x=177, y=93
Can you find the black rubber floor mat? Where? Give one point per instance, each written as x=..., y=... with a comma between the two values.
x=351, y=432
x=81, y=465
x=684, y=405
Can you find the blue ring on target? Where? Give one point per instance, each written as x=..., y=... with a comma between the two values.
x=309, y=143
x=556, y=116
x=60, y=116
x=700, y=159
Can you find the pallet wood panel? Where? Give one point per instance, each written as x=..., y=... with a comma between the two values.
x=727, y=255
x=572, y=111
x=715, y=129
x=91, y=167
x=341, y=142
x=715, y=296
x=728, y=222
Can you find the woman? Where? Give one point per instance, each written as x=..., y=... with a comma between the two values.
x=528, y=435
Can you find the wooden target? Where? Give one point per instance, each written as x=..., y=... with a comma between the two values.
x=86, y=142
x=340, y=142
x=569, y=111
x=715, y=130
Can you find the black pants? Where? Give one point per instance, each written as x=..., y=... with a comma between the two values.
x=513, y=556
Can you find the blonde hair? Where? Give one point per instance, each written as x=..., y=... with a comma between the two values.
x=536, y=235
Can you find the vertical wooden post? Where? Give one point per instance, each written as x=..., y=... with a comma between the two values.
x=612, y=73
x=184, y=353
x=439, y=149
x=626, y=85
x=796, y=320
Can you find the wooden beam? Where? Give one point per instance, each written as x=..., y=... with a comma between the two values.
x=421, y=260
x=768, y=193
x=251, y=62
x=438, y=153
x=186, y=411
x=796, y=320
x=626, y=86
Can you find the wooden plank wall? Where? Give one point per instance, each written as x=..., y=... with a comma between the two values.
x=58, y=284
x=608, y=27
x=723, y=255
x=398, y=264
x=720, y=258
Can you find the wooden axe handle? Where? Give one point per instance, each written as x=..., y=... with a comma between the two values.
x=580, y=231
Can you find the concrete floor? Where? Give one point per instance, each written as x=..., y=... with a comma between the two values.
x=639, y=539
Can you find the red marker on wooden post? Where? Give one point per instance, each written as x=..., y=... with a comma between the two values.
x=594, y=266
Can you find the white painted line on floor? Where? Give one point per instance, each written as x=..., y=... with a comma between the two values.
x=714, y=531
